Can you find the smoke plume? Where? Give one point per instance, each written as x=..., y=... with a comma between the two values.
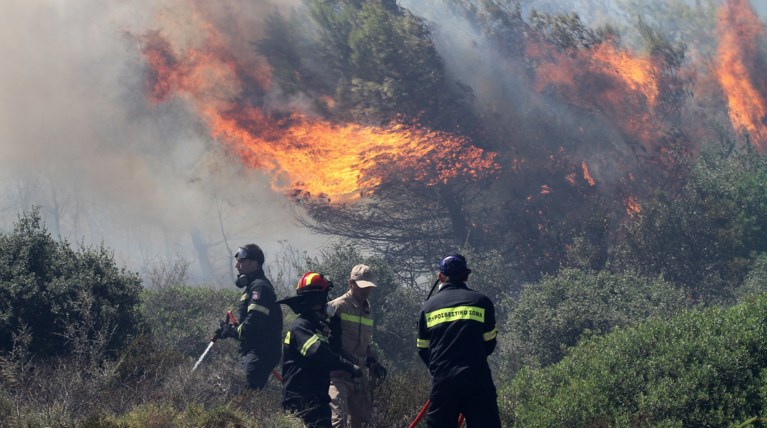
x=79, y=138
x=156, y=125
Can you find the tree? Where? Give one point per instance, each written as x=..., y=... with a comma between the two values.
x=380, y=67
x=49, y=288
x=705, y=237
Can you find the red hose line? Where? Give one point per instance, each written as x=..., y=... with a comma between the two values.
x=420, y=414
x=423, y=412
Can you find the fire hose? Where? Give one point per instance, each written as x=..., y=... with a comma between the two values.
x=230, y=319
x=422, y=413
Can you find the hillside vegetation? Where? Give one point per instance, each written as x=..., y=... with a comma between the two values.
x=636, y=297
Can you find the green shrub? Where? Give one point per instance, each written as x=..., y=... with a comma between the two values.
x=701, y=368
x=66, y=297
x=398, y=400
x=705, y=236
x=162, y=415
x=555, y=313
x=143, y=359
x=184, y=318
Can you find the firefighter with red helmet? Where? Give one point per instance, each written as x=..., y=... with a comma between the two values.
x=307, y=357
x=456, y=334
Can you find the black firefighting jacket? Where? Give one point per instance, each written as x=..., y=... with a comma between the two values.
x=456, y=333
x=307, y=360
x=260, y=319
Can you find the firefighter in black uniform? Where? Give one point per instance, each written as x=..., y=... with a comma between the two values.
x=260, y=318
x=307, y=357
x=456, y=333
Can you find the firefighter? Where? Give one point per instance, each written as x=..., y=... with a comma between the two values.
x=456, y=333
x=353, y=324
x=307, y=357
x=260, y=318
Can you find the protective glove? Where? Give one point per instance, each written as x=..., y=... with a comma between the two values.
x=376, y=369
x=356, y=371
x=369, y=361
x=379, y=371
x=226, y=331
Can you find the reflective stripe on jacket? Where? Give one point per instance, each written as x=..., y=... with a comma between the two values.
x=456, y=333
x=260, y=319
x=356, y=324
x=307, y=360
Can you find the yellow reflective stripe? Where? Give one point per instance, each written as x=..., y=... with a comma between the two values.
x=244, y=297
x=422, y=343
x=356, y=319
x=256, y=307
x=239, y=330
x=490, y=335
x=308, y=280
x=312, y=340
x=454, y=314
x=287, y=338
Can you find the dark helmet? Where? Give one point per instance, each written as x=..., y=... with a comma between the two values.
x=250, y=252
x=311, y=290
x=454, y=266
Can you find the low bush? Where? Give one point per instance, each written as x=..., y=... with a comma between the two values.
x=184, y=318
x=552, y=315
x=701, y=368
x=62, y=295
x=154, y=415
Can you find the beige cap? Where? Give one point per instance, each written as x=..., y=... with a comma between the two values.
x=361, y=274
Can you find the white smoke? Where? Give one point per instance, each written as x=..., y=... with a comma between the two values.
x=79, y=138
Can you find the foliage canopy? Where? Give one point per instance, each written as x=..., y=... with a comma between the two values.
x=701, y=368
x=57, y=292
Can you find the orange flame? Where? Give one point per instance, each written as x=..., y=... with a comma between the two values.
x=632, y=206
x=638, y=73
x=623, y=85
x=315, y=157
x=740, y=29
x=347, y=161
x=586, y=175
x=571, y=178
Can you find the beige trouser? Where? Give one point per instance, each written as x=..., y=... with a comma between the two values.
x=350, y=402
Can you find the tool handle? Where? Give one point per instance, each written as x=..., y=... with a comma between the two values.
x=231, y=318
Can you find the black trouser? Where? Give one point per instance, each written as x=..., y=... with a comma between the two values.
x=479, y=408
x=314, y=413
x=257, y=369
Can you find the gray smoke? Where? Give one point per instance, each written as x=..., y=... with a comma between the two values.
x=79, y=138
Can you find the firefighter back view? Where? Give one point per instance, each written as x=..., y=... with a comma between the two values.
x=307, y=358
x=456, y=333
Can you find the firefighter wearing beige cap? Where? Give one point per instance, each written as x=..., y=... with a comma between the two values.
x=353, y=324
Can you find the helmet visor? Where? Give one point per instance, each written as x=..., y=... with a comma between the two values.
x=241, y=254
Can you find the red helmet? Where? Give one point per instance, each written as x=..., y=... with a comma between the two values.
x=312, y=289
x=313, y=281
